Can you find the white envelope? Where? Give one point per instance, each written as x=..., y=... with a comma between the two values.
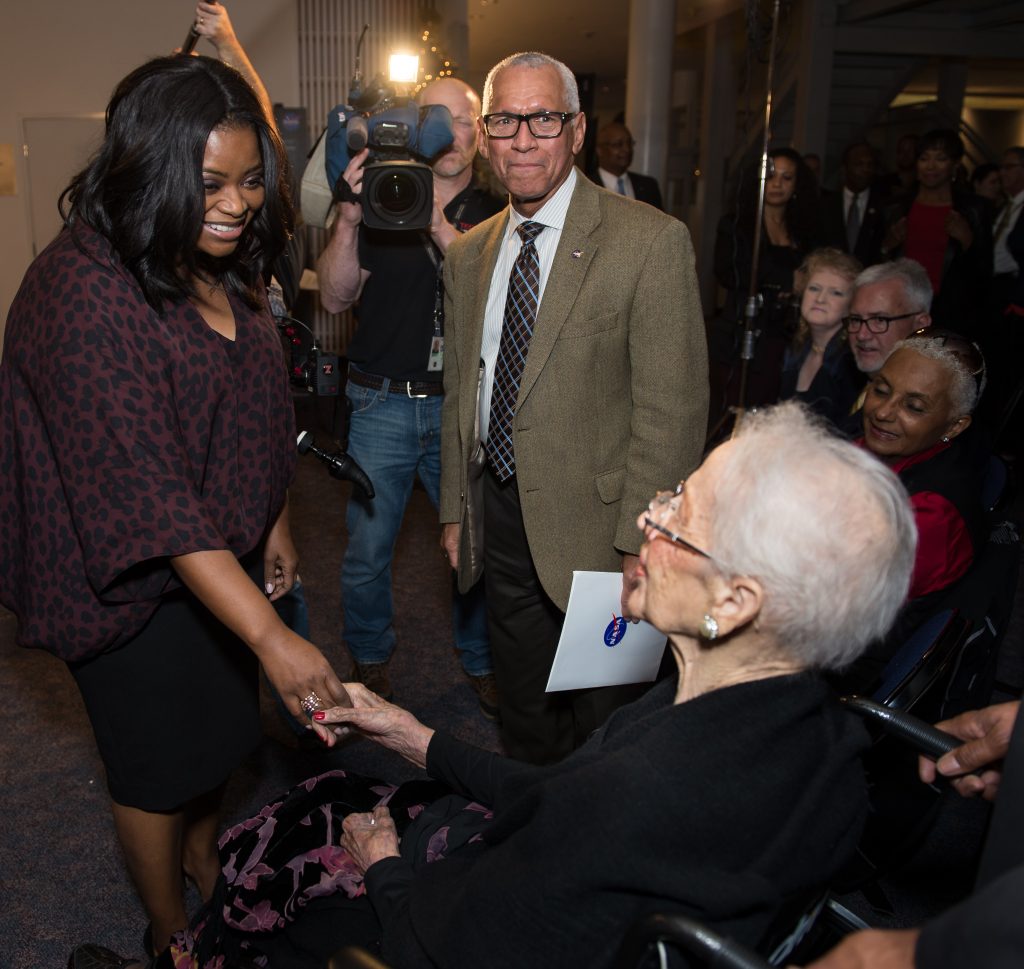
x=597, y=646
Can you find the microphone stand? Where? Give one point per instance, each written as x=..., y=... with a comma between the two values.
x=751, y=308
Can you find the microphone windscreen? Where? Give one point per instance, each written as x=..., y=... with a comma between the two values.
x=436, y=132
x=357, y=134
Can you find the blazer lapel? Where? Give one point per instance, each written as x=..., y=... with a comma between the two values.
x=476, y=276
x=576, y=249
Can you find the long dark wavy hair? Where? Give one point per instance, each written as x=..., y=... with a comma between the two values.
x=143, y=190
x=802, y=222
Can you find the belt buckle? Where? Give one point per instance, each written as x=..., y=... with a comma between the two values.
x=410, y=394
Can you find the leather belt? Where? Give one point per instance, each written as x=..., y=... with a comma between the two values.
x=411, y=388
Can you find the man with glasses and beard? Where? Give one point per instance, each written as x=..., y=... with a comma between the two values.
x=581, y=306
x=890, y=301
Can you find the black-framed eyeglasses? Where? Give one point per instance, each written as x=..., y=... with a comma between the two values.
x=542, y=124
x=966, y=351
x=877, y=323
x=667, y=501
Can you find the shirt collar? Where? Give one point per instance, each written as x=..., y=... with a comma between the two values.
x=552, y=213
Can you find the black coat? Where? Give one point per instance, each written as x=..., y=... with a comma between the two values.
x=645, y=188
x=835, y=386
x=868, y=248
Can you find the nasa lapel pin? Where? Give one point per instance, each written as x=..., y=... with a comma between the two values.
x=576, y=253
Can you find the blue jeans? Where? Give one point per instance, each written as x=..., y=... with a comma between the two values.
x=393, y=438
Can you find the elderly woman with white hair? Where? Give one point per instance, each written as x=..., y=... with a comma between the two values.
x=728, y=789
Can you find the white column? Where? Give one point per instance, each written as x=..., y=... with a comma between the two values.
x=652, y=30
x=718, y=111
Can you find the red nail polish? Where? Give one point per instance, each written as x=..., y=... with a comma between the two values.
x=319, y=715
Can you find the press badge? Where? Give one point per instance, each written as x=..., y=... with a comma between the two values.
x=435, y=361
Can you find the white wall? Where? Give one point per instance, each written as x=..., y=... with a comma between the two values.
x=65, y=57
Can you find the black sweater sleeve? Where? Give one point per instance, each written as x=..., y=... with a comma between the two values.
x=468, y=770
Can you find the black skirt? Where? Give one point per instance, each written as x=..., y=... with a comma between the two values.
x=176, y=709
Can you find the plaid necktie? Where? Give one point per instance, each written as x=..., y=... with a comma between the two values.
x=516, y=330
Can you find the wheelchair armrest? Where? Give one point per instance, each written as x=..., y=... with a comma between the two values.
x=921, y=736
x=689, y=936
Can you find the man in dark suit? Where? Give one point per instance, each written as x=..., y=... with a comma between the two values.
x=614, y=156
x=609, y=404
x=854, y=216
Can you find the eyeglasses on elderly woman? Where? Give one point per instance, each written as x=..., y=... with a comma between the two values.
x=667, y=503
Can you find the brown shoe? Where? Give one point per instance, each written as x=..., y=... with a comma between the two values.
x=374, y=676
x=486, y=690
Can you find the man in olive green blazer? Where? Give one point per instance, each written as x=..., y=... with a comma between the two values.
x=612, y=403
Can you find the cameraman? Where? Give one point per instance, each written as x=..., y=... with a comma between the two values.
x=394, y=384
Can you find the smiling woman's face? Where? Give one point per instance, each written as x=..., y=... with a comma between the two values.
x=908, y=407
x=233, y=186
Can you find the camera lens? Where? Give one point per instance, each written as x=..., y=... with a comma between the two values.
x=397, y=194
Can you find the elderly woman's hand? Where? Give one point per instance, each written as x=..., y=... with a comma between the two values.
x=368, y=838
x=389, y=725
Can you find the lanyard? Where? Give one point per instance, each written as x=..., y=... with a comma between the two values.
x=438, y=261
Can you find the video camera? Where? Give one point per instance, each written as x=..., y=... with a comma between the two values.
x=398, y=189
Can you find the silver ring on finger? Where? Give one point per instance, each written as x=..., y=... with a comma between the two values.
x=310, y=704
x=373, y=821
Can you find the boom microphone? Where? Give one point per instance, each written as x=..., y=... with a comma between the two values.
x=340, y=465
x=192, y=38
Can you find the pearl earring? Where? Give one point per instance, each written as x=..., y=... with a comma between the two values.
x=708, y=628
